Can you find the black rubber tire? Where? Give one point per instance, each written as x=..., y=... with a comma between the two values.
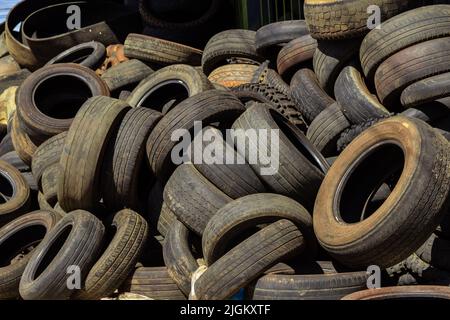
x=126, y=74
x=159, y=51
x=192, y=198
x=426, y=90
x=337, y=19
x=89, y=54
x=236, y=43
x=235, y=179
x=249, y=259
x=18, y=240
x=436, y=252
x=309, y=97
x=165, y=220
x=47, y=154
x=326, y=129
x=264, y=93
x=14, y=79
x=271, y=37
x=178, y=257
x=301, y=166
x=49, y=182
x=14, y=193
x=414, y=208
x=273, y=79
x=124, y=163
x=402, y=31
x=350, y=134
x=153, y=282
x=49, y=99
x=96, y=122
x=309, y=287
x=357, y=103
x=13, y=159
x=209, y=107
x=75, y=240
x=157, y=90
x=330, y=58
x=119, y=258
x=232, y=223
x=410, y=65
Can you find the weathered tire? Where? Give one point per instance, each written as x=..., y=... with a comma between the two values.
x=192, y=198
x=209, y=107
x=13, y=159
x=357, y=103
x=435, y=251
x=426, y=90
x=301, y=167
x=159, y=51
x=234, y=221
x=126, y=74
x=119, y=258
x=89, y=54
x=165, y=220
x=326, y=129
x=294, y=54
x=237, y=43
x=249, y=259
x=309, y=97
x=403, y=292
x=49, y=99
x=49, y=182
x=124, y=165
x=410, y=214
x=351, y=133
x=232, y=75
x=75, y=240
x=87, y=139
x=17, y=241
x=21, y=141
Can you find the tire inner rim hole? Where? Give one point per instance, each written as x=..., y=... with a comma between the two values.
x=368, y=183
x=6, y=189
x=77, y=56
x=301, y=143
x=20, y=244
x=164, y=96
x=52, y=251
x=61, y=96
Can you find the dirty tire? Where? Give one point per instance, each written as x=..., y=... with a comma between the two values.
x=49, y=182
x=350, y=134
x=402, y=292
x=89, y=54
x=413, y=210
x=165, y=220
x=426, y=90
x=232, y=75
x=87, y=139
x=75, y=240
x=22, y=142
x=125, y=74
x=294, y=54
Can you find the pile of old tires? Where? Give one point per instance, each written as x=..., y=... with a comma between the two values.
x=94, y=205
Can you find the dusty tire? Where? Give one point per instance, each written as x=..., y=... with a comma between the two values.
x=403, y=292
x=22, y=142
x=192, y=198
x=402, y=31
x=233, y=222
x=18, y=239
x=124, y=165
x=75, y=240
x=232, y=75
x=357, y=103
x=301, y=166
x=119, y=258
x=88, y=137
x=308, y=95
x=350, y=134
x=126, y=74
x=49, y=99
x=412, y=64
x=49, y=182
x=237, y=43
x=165, y=220
x=426, y=90
x=89, y=54
x=249, y=259
x=159, y=51
x=294, y=54
x=326, y=129
x=412, y=211
x=209, y=107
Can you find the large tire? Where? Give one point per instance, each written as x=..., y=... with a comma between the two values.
x=159, y=51
x=75, y=240
x=49, y=99
x=234, y=221
x=414, y=208
x=249, y=259
x=119, y=258
x=294, y=55
x=308, y=95
x=87, y=139
x=209, y=107
x=301, y=166
x=342, y=19
x=14, y=193
x=228, y=44
x=412, y=64
x=124, y=165
x=192, y=198
x=89, y=54
x=357, y=103
x=126, y=74
x=426, y=90
x=402, y=31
